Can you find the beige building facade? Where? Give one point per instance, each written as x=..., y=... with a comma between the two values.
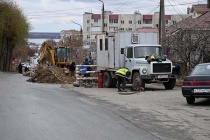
x=92, y=23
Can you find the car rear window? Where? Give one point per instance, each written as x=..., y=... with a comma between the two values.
x=201, y=70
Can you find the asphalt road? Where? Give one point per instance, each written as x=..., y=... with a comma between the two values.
x=30, y=111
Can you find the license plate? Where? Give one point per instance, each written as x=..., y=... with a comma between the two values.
x=162, y=76
x=201, y=90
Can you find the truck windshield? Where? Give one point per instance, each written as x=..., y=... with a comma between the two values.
x=142, y=51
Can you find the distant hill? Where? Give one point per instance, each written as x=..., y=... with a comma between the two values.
x=43, y=35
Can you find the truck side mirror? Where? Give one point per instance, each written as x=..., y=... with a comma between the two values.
x=122, y=50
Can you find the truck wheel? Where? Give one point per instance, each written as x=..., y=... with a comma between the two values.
x=190, y=100
x=114, y=82
x=107, y=80
x=137, y=81
x=170, y=84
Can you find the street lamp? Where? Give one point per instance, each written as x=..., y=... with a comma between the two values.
x=102, y=15
x=80, y=26
x=80, y=35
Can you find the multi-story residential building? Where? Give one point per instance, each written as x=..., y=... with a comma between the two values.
x=92, y=23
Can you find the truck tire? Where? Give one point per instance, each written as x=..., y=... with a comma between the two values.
x=107, y=80
x=170, y=84
x=114, y=82
x=190, y=100
x=137, y=81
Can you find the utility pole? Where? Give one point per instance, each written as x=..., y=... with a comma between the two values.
x=162, y=30
x=102, y=15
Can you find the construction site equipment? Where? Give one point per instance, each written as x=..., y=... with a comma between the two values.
x=46, y=48
x=58, y=56
x=80, y=75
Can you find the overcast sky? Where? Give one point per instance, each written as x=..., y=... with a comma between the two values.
x=56, y=15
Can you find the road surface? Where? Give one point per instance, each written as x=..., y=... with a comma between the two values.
x=31, y=111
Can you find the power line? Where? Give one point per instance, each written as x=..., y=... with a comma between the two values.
x=98, y=6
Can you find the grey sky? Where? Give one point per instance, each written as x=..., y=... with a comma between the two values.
x=56, y=15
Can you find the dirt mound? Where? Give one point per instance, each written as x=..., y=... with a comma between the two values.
x=51, y=74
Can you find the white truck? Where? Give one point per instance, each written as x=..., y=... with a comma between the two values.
x=133, y=50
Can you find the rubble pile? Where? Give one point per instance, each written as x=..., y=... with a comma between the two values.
x=51, y=74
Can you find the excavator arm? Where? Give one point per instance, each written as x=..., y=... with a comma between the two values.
x=47, y=48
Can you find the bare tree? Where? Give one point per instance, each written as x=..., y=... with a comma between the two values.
x=188, y=43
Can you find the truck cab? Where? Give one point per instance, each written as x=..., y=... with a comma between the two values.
x=144, y=69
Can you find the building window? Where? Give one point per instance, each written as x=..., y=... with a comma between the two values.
x=101, y=44
x=174, y=22
x=106, y=43
x=130, y=21
x=122, y=29
x=88, y=21
x=129, y=29
x=95, y=20
x=113, y=20
x=105, y=24
x=139, y=21
x=147, y=21
x=88, y=36
x=157, y=25
x=88, y=28
x=122, y=21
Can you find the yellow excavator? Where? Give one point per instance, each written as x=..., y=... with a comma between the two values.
x=58, y=56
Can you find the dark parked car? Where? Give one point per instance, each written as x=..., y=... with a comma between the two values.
x=197, y=84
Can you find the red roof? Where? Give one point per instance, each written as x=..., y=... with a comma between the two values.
x=191, y=23
x=168, y=17
x=200, y=8
x=96, y=16
x=147, y=16
x=113, y=16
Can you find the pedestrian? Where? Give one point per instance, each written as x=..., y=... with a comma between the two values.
x=122, y=75
x=20, y=68
x=86, y=62
x=176, y=69
x=91, y=60
x=72, y=68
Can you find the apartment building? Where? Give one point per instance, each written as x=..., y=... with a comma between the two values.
x=92, y=23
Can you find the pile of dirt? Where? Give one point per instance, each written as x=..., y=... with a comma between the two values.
x=51, y=74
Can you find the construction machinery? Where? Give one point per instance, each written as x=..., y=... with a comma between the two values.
x=58, y=56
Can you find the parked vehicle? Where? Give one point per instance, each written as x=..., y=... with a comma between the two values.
x=137, y=51
x=58, y=56
x=197, y=84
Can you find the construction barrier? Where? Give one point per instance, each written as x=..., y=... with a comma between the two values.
x=85, y=77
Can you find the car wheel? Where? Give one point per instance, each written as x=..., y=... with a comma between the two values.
x=190, y=100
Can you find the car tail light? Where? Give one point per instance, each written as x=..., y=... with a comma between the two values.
x=196, y=83
x=186, y=83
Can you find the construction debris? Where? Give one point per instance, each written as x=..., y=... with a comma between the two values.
x=50, y=74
